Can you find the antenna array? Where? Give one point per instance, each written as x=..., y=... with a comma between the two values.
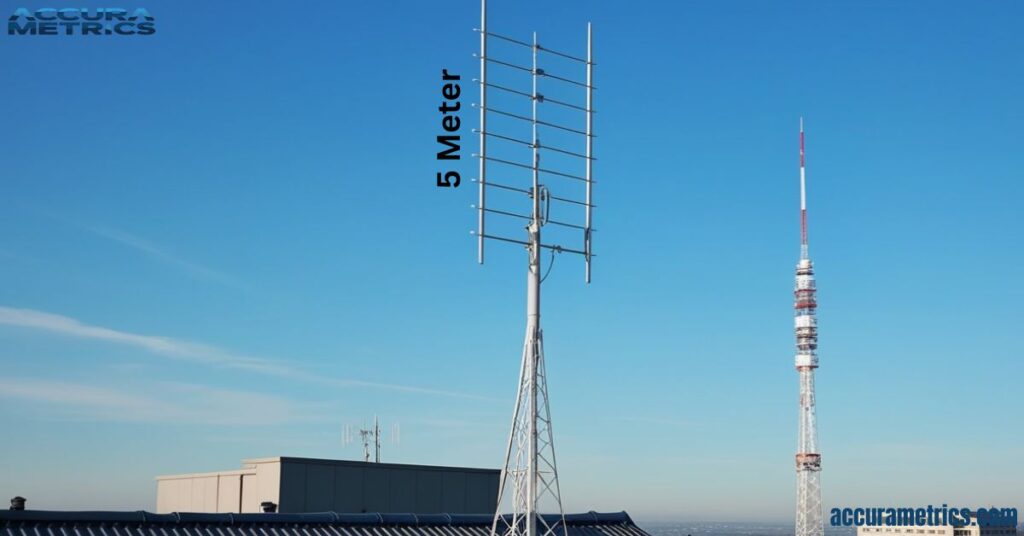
x=370, y=438
x=536, y=129
x=511, y=132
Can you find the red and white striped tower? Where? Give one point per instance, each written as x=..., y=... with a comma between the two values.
x=808, y=458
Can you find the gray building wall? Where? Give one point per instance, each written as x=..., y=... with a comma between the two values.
x=316, y=485
x=311, y=485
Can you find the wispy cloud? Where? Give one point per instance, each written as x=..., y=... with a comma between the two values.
x=149, y=248
x=161, y=402
x=658, y=421
x=165, y=346
x=161, y=253
x=194, y=352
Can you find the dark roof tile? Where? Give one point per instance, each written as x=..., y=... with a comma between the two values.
x=140, y=523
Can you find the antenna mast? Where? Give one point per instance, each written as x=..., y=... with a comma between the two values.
x=808, y=458
x=376, y=439
x=529, y=475
x=368, y=435
x=370, y=438
x=803, y=197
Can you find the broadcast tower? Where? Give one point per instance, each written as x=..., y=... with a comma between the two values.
x=808, y=459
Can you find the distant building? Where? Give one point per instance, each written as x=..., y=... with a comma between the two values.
x=937, y=530
x=293, y=485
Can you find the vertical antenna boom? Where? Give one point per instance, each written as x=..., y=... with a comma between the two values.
x=482, y=195
x=590, y=145
x=803, y=196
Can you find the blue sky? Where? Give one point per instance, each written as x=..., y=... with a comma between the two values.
x=223, y=241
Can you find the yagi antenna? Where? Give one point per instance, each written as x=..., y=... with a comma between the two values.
x=572, y=184
x=536, y=131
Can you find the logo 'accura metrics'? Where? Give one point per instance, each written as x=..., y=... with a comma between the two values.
x=81, y=21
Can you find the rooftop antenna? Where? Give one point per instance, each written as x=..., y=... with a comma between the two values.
x=563, y=207
x=376, y=439
x=346, y=436
x=371, y=439
x=367, y=434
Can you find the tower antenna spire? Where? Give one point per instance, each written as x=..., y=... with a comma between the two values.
x=808, y=457
x=803, y=195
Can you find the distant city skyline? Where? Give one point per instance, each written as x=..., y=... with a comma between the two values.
x=223, y=241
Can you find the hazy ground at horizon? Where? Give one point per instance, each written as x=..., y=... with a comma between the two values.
x=730, y=528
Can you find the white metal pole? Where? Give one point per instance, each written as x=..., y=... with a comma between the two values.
x=483, y=135
x=803, y=177
x=590, y=142
x=803, y=197
x=533, y=313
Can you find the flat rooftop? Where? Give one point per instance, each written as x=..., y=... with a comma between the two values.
x=249, y=464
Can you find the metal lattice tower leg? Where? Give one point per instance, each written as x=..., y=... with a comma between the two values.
x=530, y=471
x=808, y=458
x=808, y=464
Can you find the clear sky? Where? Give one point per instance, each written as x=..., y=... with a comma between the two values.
x=224, y=241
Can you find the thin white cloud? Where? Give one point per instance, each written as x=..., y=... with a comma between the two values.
x=193, y=352
x=149, y=248
x=160, y=402
x=161, y=253
x=459, y=424
x=659, y=421
x=62, y=325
